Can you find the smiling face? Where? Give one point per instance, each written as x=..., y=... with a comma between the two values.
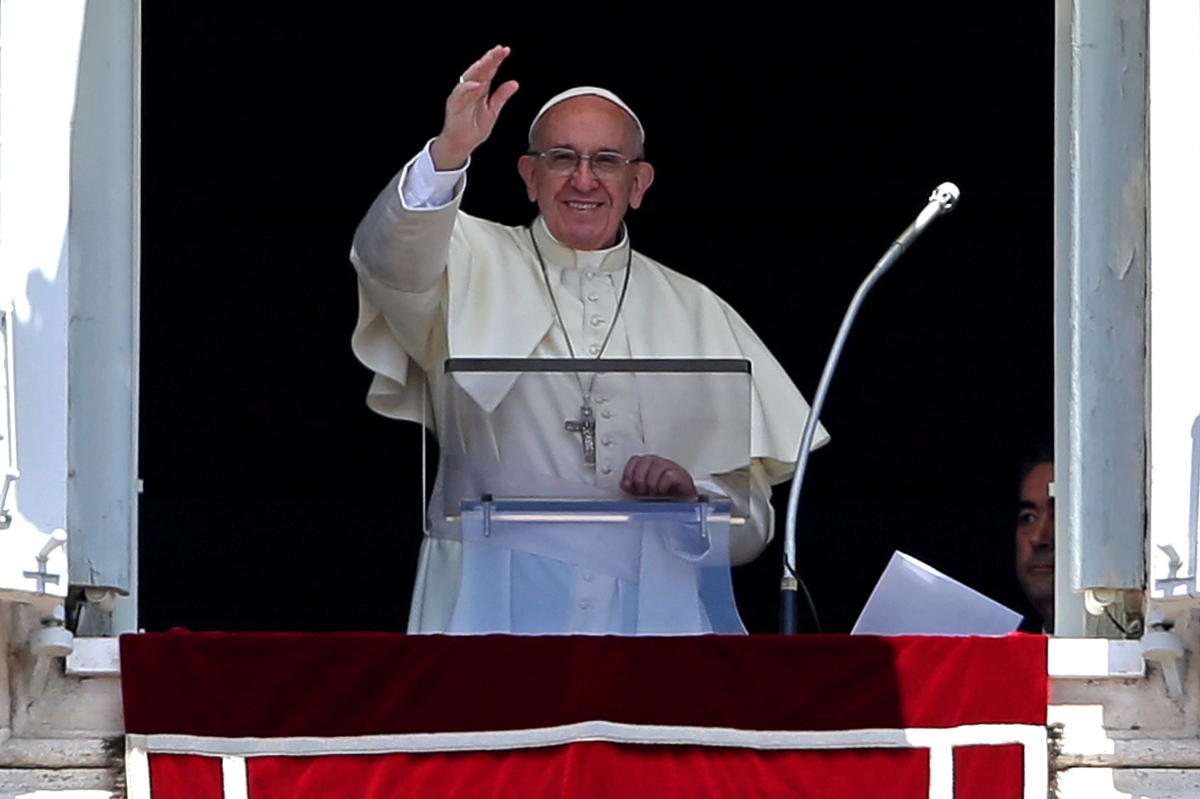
x=1035, y=540
x=584, y=211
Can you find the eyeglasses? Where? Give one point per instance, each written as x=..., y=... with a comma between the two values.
x=564, y=161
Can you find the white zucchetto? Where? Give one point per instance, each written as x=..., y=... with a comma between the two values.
x=580, y=91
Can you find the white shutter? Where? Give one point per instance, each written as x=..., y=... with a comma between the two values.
x=31, y=562
x=1174, y=325
x=39, y=61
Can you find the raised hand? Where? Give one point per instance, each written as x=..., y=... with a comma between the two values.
x=471, y=111
x=652, y=476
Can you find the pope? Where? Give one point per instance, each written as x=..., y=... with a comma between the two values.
x=437, y=283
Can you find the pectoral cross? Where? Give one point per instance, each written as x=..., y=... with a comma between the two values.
x=585, y=426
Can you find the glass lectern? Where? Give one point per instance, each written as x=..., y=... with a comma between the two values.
x=533, y=452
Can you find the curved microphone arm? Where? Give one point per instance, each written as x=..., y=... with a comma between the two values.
x=942, y=200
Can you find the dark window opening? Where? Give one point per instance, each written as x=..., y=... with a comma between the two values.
x=789, y=156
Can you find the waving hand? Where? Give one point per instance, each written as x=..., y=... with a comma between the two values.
x=471, y=110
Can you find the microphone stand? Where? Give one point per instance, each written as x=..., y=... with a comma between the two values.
x=941, y=201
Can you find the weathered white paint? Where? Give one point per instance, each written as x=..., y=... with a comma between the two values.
x=1100, y=274
x=103, y=335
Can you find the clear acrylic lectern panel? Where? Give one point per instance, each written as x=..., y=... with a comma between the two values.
x=546, y=428
x=532, y=456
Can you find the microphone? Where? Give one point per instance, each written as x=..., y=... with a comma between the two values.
x=941, y=201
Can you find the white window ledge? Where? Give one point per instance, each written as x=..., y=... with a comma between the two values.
x=95, y=657
x=1067, y=658
x=1094, y=659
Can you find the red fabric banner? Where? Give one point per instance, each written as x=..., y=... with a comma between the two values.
x=728, y=715
x=589, y=770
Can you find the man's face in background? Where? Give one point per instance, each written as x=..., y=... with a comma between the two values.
x=1035, y=540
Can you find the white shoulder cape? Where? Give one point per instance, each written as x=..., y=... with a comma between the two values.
x=496, y=303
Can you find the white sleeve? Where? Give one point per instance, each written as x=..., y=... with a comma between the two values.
x=426, y=188
x=401, y=247
x=748, y=540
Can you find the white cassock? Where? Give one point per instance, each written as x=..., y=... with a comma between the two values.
x=435, y=283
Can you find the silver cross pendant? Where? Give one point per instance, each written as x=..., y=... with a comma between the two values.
x=585, y=426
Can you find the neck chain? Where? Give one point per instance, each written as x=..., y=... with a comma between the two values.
x=585, y=425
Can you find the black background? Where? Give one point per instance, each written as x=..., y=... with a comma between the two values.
x=790, y=147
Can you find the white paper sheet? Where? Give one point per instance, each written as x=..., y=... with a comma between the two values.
x=912, y=598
